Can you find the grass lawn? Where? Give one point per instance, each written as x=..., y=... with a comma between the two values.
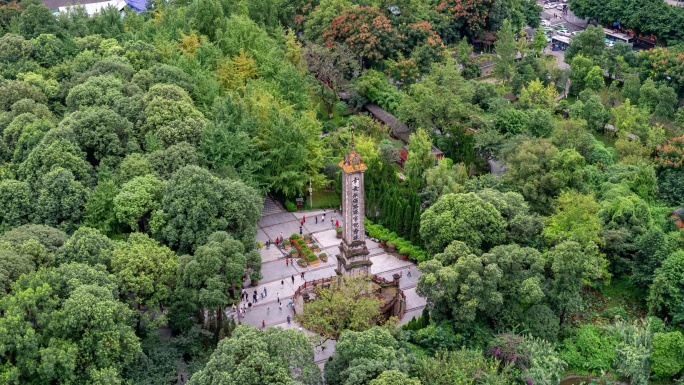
x=325, y=199
x=607, y=141
x=619, y=298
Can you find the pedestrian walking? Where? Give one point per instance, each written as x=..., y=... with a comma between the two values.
x=263, y=324
x=288, y=319
x=287, y=262
x=289, y=303
x=281, y=237
x=282, y=282
x=249, y=306
x=337, y=223
x=278, y=296
x=268, y=310
x=300, y=230
x=277, y=239
x=316, y=218
x=323, y=213
x=293, y=279
x=265, y=293
x=302, y=275
x=280, y=307
x=303, y=219
x=409, y=272
x=332, y=221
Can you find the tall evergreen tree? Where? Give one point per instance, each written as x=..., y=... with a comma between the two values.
x=415, y=228
x=399, y=220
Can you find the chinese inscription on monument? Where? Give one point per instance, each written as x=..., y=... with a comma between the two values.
x=353, y=258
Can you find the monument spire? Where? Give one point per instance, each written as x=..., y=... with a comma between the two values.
x=353, y=259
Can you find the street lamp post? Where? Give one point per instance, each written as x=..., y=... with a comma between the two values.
x=310, y=194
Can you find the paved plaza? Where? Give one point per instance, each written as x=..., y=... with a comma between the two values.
x=278, y=276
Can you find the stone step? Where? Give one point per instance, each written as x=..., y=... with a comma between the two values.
x=271, y=207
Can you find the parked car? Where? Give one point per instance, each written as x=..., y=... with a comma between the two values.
x=550, y=6
x=547, y=29
x=545, y=23
x=563, y=33
x=560, y=7
x=561, y=28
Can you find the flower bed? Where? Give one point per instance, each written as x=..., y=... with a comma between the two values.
x=304, y=250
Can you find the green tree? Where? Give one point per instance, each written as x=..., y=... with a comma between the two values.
x=145, y=272
x=12, y=266
x=254, y=357
x=464, y=217
x=539, y=42
x=99, y=209
x=648, y=95
x=419, y=157
x=340, y=308
x=651, y=249
x=630, y=89
x=572, y=266
x=667, y=291
x=667, y=102
x=363, y=356
x=15, y=204
x=54, y=152
x=168, y=161
x=394, y=377
x=668, y=354
x=87, y=246
x=633, y=350
x=61, y=200
x=216, y=268
x=579, y=69
x=137, y=200
x=591, y=110
x=320, y=19
x=103, y=90
x=208, y=17
x=460, y=286
x=506, y=51
x=539, y=172
x=36, y=20
x=594, y=79
x=75, y=319
x=100, y=132
x=589, y=43
x=47, y=236
x=460, y=367
x=196, y=204
x=576, y=219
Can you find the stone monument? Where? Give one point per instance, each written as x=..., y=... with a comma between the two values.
x=353, y=260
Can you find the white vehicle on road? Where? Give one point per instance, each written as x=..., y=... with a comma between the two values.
x=563, y=33
x=550, y=6
x=545, y=23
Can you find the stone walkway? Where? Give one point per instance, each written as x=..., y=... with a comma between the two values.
x=278, y=277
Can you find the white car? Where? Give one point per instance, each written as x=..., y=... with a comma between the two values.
x=563, y=33
x=559, y=7
x=550, y=6
x=545, y=23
